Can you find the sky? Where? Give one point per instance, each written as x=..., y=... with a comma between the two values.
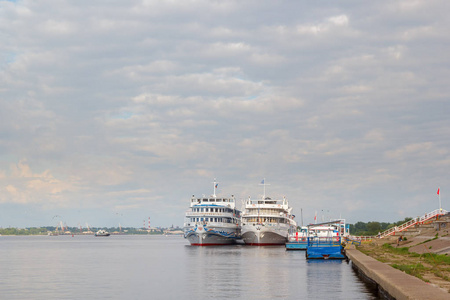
x=112, y=112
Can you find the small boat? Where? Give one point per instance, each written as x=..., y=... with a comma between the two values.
x=102, y=232
x=298, y=240
x=325, y=240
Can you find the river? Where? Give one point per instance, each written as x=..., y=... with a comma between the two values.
x=166, y=267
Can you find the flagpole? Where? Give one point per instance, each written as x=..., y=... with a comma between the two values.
x=264, y=185
x=301, y=214
x=215, y=186
x=440, y=206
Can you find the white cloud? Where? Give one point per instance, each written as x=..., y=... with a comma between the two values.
x=341, y=20
x=410, y=151
x=114, y=105
x=24, y=186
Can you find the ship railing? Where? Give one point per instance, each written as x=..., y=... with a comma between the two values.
x=315, y=241
x=192, y=214
x=210, y=223
x=297, y=238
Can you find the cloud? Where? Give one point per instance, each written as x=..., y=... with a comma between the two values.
x=24, y=186
x=130, y=104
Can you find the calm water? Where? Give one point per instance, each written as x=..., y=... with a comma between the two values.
x=159, y=267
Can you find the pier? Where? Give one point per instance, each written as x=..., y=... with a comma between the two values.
x=393, y=282
x=425, y=235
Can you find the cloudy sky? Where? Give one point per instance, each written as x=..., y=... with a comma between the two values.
x=115, y=111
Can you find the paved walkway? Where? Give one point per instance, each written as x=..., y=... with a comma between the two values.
x=395, y=282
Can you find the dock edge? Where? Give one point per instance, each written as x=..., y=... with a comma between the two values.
x=393, y=283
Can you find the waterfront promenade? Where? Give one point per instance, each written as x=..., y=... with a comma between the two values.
x=396, y=283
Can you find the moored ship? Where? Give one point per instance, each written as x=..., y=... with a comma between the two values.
x=212, y=221
x=267, y=221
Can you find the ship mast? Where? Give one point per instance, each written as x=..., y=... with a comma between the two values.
x=215, y=187
x=263, y=183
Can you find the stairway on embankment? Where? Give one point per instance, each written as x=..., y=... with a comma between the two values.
x=432, y=236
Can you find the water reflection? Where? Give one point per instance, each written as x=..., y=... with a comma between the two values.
x=242, y=272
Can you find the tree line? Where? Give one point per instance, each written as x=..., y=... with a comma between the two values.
x=74, y=230
x=373, y=228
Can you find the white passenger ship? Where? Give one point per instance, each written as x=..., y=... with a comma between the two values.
x=267, y=221
x=212, y=221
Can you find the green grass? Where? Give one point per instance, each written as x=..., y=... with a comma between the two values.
x=399, y=251
x=436, y=259
x=434, y=263
x=431, y=258
x=414, y=270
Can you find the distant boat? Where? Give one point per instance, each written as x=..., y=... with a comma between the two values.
x=102, y=232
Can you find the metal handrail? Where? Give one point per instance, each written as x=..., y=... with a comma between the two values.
x=406, y=225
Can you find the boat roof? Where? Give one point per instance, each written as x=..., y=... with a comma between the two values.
x=212, y=204
x=325, y=223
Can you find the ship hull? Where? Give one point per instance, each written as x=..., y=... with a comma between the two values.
x=211, y=236
x=262, y=236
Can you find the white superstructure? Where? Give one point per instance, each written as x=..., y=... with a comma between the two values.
x=212, y=221
x=267, y=221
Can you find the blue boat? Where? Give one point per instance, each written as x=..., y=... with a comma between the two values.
x=298, y=240
x=325, y=241
x=325, y=248
x=296, y=245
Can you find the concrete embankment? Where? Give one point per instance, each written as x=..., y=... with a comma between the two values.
x=396, y=283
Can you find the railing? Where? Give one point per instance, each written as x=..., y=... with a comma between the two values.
x=324, y=241
x=359, y=238
x=418, y=220
x=200, y=214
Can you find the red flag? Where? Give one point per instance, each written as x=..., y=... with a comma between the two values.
x=438, y=191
